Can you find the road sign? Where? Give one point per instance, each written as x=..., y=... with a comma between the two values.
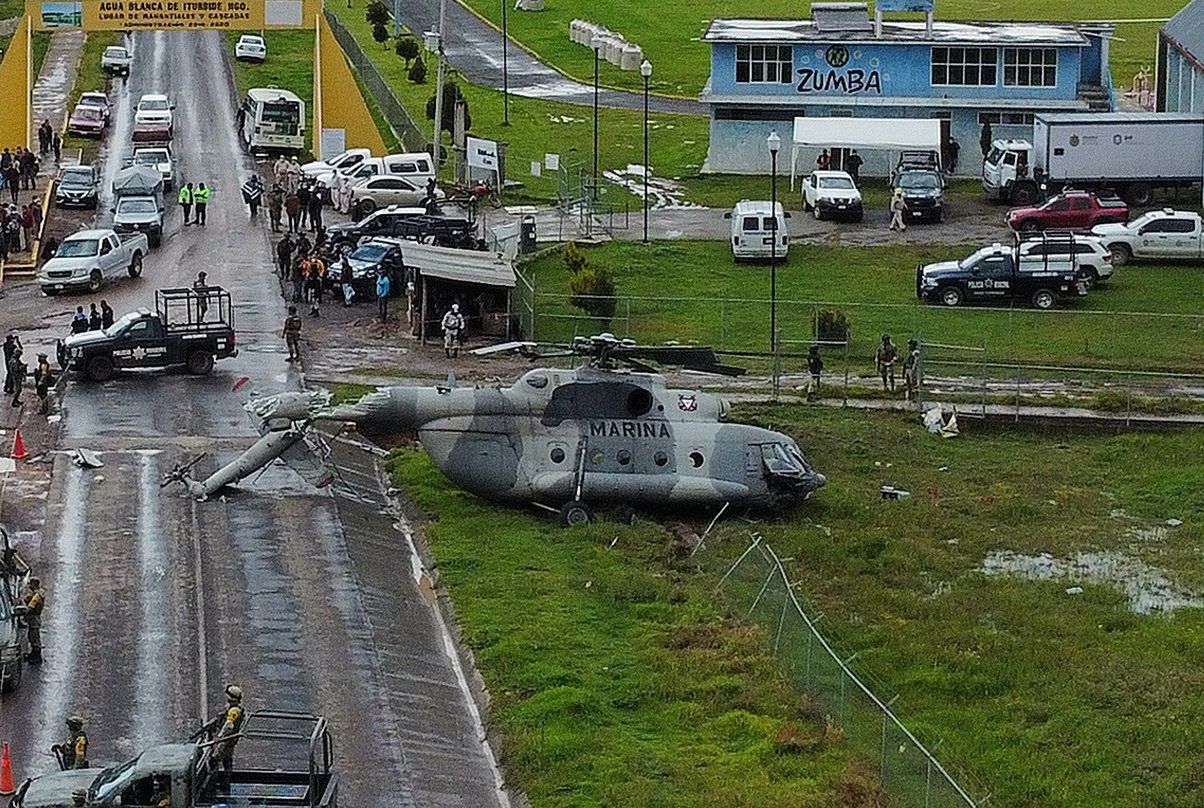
x=135, y=15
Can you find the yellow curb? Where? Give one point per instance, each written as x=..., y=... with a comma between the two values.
x=568, y=75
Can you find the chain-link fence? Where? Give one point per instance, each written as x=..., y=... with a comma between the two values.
x=757, y=583
x=412, y=137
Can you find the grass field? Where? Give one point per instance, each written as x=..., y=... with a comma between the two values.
x=668, y=32
x=616, y=678
x=727, y=305
x=540, y=127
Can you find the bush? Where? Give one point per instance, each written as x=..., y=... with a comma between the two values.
x=832, y=325
x=574, y=258
x=376, y=13
x=593, y=290
x=451, y=92
x=418, y=71
x=406, y=48
x=380, y=33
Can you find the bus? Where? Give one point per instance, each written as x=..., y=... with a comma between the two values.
x=272, y=120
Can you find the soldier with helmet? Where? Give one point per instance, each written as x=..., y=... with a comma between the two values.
x=885, y=358
x=911, y=370
x=228, y=725
x=34, y=602
x=74, y=753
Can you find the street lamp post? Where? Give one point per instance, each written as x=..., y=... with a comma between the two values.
x=646, y=72
x=774, y=143
x=505, y=68
x=597, y=46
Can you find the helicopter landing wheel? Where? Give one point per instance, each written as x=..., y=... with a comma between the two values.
x=575, y=513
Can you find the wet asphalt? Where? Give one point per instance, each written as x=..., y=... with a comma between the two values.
x=155, y=602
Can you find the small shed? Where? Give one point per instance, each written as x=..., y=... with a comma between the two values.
x=479, y=281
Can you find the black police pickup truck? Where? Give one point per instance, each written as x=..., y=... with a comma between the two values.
x=190, y=328
x=409, y=223
x=1028, y=273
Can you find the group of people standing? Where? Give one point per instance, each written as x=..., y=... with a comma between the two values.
x=886, y=357
x=299, y=198
x=15, y=373
x=197, y=198
x=18, y=171
x=19, y=227
x=49, y=140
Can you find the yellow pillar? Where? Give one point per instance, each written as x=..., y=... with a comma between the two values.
x=16, y=89
x=337, y=100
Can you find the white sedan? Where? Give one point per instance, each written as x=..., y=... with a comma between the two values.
x=250, y=48
x=383, y=191
x=154, y=109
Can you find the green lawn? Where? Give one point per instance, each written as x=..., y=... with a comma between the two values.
x=615, y=677
x=540, y=127
x=727, y=305
x=668, y=32
x=1048, y=698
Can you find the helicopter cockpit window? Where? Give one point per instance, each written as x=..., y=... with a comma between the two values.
x=782, y=459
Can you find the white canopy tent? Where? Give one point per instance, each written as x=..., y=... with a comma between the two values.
x=864, y=133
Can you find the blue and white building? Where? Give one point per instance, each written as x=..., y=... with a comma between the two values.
x=1180, y=73
x=842, y=63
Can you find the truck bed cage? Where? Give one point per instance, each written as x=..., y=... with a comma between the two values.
x=183, y=308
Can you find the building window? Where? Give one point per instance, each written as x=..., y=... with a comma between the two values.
x=1030, y=67
x=965, y=67
x=1006, y=118
x=764, y=64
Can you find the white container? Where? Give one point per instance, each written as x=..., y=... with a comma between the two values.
x=631, y=57
x=614, y=49
x=576, y=28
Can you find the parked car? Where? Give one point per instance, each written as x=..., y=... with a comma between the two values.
x=341, y=161
x=77, y=186
x=923, y=190
x=154, y=108
x=999, y=273
x=250, y=48
x=1093, y=258
x=369, y=260
x=754, y=225
x=116, y=61
x=98, y=100
x=158, y=158
x=414, y=166
x=832, y=194
x=86, y=121
x=383, y=191
x=1165, y=233
x=85, y=260
x=1072, y=210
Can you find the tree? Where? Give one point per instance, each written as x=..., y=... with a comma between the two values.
x=376, y=13
x=418, y=72
x=593, y=290
x=379, y=32
x=406, y=48
x=451, y=92
x=574, y=258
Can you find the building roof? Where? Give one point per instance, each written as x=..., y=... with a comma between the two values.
x=1187, y=29
x=961, y=33
x=464, y=266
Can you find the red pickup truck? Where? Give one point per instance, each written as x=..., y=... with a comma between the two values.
x=1072, y=210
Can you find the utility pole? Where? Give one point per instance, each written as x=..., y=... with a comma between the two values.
x=505, y=68
x=396, y=18
x=439, y=86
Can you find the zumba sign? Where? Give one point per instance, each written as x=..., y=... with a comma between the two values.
x=836, y=79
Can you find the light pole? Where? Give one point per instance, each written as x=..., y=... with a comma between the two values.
x=646, y=72
x=505, y=69
x=597, y=46
x=774, y=143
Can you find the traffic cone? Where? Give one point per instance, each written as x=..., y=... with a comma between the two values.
x=7, y=787
x=19, y=452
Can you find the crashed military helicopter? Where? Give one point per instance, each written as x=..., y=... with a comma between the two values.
x=609, y=432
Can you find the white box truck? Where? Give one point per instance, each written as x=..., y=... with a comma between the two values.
x=1129, y=153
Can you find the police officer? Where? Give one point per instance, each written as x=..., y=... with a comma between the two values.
x=200, y=198
x=34, y=603
x=229, y=724
x=17, y=371
x=911, y=370
x=42, y=381
x=75, y=751
x=453, y=330
x=185, y=200
x=292, y=334
x=885, y=358
x=815, y=366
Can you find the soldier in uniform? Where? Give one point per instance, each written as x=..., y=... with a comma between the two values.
x=75, y=751
x=34, y=602
x=201, y=287
x=42, y=381
x=12, y=343
x=17, y=371
x=885, y=358
x=453, y=331
x=815, y=366
x=229, y=725
x=911, y=370
x=292, y=334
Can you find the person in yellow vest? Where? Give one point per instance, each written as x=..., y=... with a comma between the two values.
x=200, y=198
x=74, y=753
x=184, y=197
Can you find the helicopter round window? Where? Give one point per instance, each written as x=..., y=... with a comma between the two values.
x=557, y=454
x=660, y=458
x=639, y=401
x=696, y=458
x=624, y=457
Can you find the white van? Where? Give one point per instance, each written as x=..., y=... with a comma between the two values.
x=417, y=167
x=753, y=225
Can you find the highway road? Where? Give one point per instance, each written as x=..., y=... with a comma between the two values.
x=155, y=602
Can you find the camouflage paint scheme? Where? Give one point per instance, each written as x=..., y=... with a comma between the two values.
x=629, y=438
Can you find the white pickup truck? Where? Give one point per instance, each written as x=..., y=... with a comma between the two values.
x=85, y=260
x=116, y=61
x=1166, y=233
